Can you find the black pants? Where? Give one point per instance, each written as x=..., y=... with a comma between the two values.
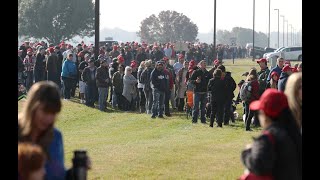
x=167, y=96
x=142, y=98
x=180, y=103
x=227, y=111
x=67, y=83
x=111, y=92
x=249, y=116
x=217, y=109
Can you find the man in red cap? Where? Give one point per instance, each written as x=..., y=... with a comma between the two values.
x=216, y=63
x=120, y=60
x=286, y=72
x=263, y=75
x=29, y=62
x=114, y=53
x=62, y=47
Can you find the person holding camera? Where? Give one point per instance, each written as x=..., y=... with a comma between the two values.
x=36, y=125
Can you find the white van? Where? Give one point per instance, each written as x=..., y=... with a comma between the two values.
x=288, y=53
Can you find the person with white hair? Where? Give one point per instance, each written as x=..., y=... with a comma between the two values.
x=129, y=88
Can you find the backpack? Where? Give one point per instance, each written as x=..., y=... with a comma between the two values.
x=245, y=91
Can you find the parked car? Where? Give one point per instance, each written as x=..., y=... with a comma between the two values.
x=288, y=53
x=277, y=50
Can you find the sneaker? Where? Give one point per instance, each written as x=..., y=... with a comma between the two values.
x=160, y=116
x=153, y=117
x=248, y=129
x=168, y=115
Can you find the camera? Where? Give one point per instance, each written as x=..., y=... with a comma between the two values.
x=79, y=162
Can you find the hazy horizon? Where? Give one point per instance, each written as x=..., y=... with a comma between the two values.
x=230, y=13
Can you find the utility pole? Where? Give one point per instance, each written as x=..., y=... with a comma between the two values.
x=278, y=28
x=269, y=26
x=283, y=32
x=214, y=30
x=253, y=51
x=97, y=29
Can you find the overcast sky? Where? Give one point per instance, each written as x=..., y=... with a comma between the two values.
x=128, y=14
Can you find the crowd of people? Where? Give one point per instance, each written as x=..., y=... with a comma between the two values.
x=147, y=78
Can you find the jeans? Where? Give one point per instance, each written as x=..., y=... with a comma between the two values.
x=149, y=99
x=90, y=94
x=199, y=99
x=249, y=115
x=158, y=102
x=103, y=94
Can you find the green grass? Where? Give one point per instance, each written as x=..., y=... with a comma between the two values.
x=133, y=146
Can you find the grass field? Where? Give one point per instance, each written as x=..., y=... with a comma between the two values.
x=133, y=146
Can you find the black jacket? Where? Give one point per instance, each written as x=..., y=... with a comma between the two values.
x=145, y=78
x=230, y=85
x=141, y=57
x=158, y=80
x=217, y=88
x=102, y=75
x=205, y=77
x=281, y=158
x=282, y=81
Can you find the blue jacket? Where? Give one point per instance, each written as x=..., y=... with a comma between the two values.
x=282, y=81
x=54, y=166
x=158, y=80
x=276, y=69
x=69, y=69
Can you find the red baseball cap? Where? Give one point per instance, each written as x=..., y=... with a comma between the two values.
x=165, y=58
x=133, y=64
x=261, y=60
x=120, y=58
x=51, y=49
x=286, y=68
x=216, y=62
x=272, y=102
x=274, y=73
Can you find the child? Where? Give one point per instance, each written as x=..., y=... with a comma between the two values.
x=31, y=161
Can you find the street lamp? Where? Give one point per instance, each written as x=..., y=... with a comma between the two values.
x=278, y=26
x=214, y=30
x=283, y=32
x=291, y=34
x=253, y=51
x=269, y=27
x=287, y=31
x=97, y=29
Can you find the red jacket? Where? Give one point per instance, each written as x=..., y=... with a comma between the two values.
x=170, y=78
x=254, y=91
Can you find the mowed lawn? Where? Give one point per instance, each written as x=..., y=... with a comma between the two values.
x=133, y=146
